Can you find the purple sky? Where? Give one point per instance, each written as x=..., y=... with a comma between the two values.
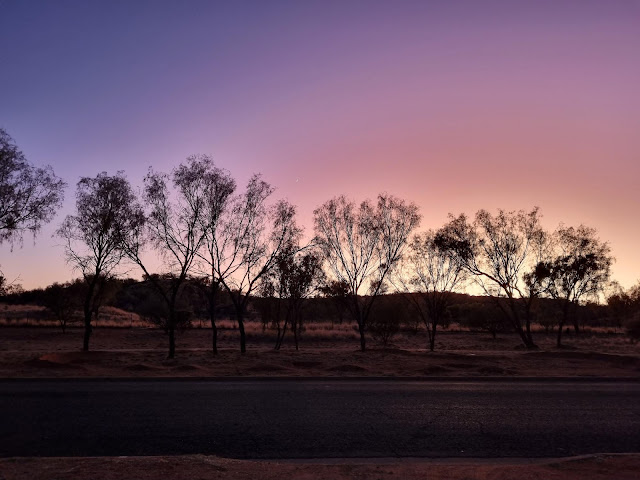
x=454, y=105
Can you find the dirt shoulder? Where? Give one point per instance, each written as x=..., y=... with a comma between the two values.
x=136, y=353
x=599, y=467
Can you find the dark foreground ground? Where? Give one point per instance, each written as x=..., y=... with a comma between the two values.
x=140, y=352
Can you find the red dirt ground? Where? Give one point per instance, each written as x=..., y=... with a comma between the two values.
x=196, y=467
x=121, y=352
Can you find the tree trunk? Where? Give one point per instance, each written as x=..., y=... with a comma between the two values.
x=281, y=334
x=87, y=334
x=526, y=338
x=363, y=341
x=87, y=319
x=294, y=326
x=214, y=335
x=278, y=338
x=525, y=335
x=559, y=339
x=212, y=319
x=172, y=320
x=87, y=328
x=563, y=321
x=530, y=344
x=172, y=340
x=426, y=325
x=281, y=330
x=576, y=320
x=530, y=341
x=432, y=337
x=243, y=337
x=211, y=290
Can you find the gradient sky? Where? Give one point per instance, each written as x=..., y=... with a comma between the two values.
x=456, y=105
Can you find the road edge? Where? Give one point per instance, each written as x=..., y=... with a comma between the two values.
x=291, y=379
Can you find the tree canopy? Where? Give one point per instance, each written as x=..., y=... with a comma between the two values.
x=29, y=196
x=361, y=245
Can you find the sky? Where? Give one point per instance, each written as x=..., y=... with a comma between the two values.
x=454, y=105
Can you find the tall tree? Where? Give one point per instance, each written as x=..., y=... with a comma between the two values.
x=173, y=228
x=105, y=215
x=580, y=269
x=216, y=210
x=429, y=276
x=251, y=237
x=499, y=251
x=360, y=246
x=29, y=196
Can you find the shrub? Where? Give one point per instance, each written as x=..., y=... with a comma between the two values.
x=384, y=323
x=632, y=327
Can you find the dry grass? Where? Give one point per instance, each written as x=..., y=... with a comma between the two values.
x=326, y=349
x=139, y=352
x=112, y=317
x=25, y=315
x=38, y=316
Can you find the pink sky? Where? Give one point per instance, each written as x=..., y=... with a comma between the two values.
x=456, y=106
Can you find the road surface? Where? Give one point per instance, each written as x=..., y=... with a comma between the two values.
x=318, y=419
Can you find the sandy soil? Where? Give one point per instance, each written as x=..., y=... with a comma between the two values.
x=205, y=467
x=46, y=352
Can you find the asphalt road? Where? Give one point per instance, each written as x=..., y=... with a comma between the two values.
x=318, y=419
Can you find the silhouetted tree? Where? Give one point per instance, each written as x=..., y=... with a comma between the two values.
x=105, y=216
x=9, y=288
x=173, y=227
x=623, y=304
x=499, y=251
x=4, y=284
x=63, y=300
x=29, y=196
x=361, y=245
x=385, y=320
x=485, y=316
x=214, y=215
x=338, y=292
x=153, y=307
x=251, y=238
x=429, y=275
x=579, y=269
x=631, y=312
x=548, y=314
x=295, y=276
